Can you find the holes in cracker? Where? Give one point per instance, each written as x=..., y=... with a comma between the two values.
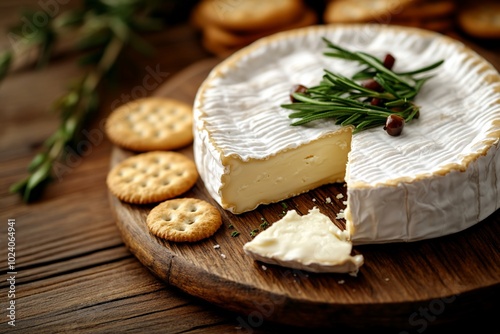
x=173, y=111
x=166, y=182
x=166, y=218
x=193, y=209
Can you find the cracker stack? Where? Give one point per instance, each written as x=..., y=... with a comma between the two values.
x=437, y=15
x=230, y=25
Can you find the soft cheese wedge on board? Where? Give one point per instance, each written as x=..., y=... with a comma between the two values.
x=441, y=176
x=310, y=242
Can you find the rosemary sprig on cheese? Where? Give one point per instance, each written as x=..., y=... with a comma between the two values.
x=374, y=96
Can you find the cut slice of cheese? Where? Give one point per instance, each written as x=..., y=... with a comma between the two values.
x=441, y=176
x=310, y=242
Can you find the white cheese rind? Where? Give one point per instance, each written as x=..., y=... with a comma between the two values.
x=425, y=208
x=440, y=177
x=310, y=242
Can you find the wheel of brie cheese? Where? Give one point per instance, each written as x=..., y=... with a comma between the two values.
x=441, y=176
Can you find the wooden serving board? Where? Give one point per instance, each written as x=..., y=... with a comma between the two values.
x=449, y=277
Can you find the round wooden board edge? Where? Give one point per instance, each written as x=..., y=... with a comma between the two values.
x=289, y=312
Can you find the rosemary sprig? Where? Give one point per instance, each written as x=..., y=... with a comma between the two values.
x=107, y=29
x=384, y=98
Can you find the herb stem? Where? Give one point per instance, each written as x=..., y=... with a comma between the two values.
x=353, y=104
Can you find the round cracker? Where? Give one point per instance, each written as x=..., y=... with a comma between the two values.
x=352, y=11
x=428, y=10
x=152, y=177
x=184, y=220
x=215, y=35
x=441, y=25
x=244, y=15
x=481, y=20
x=152, y=123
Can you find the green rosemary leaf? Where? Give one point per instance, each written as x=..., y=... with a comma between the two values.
x=386, y=85
x=381, y=68
x=423, y=69
x=350, y=103
x=94, y=39
x=41, y=174
x=19, y=186
x=5, y=61
x=69, y=19
x=37, y=161
x=364, y=75
x=352, y=119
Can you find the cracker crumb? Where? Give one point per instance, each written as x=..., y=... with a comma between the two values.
x=387, y=279
x=340, y=215
x=339, y=196
x=344, y=202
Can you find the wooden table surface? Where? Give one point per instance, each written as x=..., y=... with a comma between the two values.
x=74, y=272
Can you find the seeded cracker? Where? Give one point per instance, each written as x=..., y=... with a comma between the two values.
x=152, y=177
x=243, y=15
x=151, y=124
x=349, y=11
x=184, y=220
x=481, y=20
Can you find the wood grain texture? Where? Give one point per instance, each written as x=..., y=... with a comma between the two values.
x=459, y=273
x=75, y=274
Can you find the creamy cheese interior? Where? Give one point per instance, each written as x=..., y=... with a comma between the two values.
x=310, y=242
x=297, y=170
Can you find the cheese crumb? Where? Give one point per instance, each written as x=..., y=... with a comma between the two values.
x=264, y=267
x=314, y=199
x=340, y=215
x=344, y=202
x=216, y=246
x=387, y=279
x=339, y=196
x=223, y=256
x=341, y=281
x=328, y=200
